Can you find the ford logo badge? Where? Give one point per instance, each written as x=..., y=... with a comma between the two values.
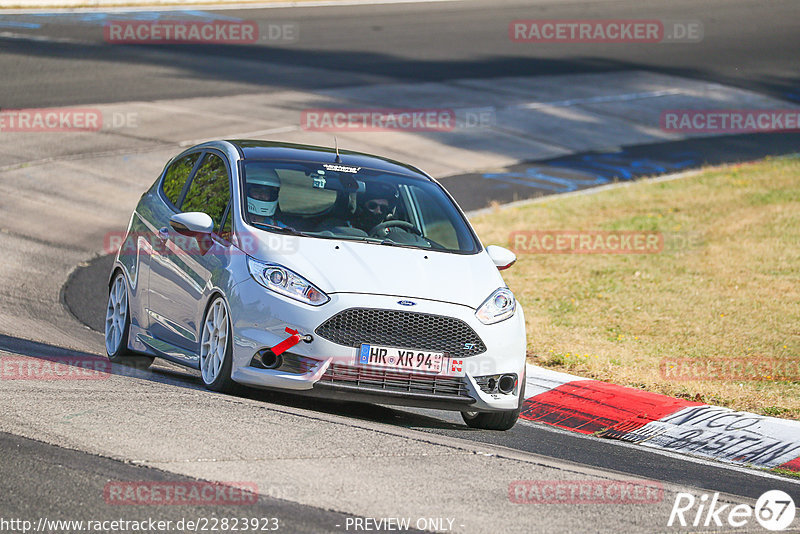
x=406, y=303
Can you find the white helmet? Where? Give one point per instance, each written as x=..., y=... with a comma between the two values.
x=262, y=189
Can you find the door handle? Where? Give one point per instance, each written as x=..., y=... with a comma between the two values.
x=163, y=233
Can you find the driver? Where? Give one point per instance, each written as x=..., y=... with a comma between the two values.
x=374, y=205
x=263, y=186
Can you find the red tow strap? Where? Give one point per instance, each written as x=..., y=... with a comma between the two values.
x=287, y=343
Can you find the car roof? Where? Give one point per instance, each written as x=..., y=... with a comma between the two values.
x=274, y=150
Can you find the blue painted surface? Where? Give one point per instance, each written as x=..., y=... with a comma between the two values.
x=16, y=24
x=535, y=177
x=593, y=169
x=794, y=97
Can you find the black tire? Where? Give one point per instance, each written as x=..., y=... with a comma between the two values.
x=223, y=383
x=491, y=420
x=122, y=355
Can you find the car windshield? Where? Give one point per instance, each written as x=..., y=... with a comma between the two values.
x=356, y=203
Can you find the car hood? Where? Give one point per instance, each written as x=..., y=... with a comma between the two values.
x=341, y=266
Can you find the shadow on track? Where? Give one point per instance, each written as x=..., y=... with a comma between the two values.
x=223, y=63
x=164, y=372
x=60, y=484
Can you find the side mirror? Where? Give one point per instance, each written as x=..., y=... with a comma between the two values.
x=502, y=257
x=193, y=222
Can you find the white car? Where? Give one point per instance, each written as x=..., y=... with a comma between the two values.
x=337, y=275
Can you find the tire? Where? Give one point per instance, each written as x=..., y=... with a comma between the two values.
x=491, y=420
x=496, y=420
x=216, y=348
x=118, y=325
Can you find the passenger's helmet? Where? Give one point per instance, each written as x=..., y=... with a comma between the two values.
x=261, y=191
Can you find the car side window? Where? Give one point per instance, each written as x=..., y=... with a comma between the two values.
x=210, y=190
x=176, y=176
x=435, y=224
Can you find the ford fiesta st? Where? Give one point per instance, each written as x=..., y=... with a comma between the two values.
x=336, y=275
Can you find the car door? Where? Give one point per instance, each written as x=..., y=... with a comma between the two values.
x=182, y=266
x=159, y=205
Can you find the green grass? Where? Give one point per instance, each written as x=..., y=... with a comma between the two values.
x=726, y=285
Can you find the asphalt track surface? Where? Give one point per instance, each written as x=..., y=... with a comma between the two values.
x=57, y=484
x=65, y=62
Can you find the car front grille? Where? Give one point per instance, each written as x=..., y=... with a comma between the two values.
x=384, y=380
x=402, y=329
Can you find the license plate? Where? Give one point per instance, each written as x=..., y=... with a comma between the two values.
x=400, y=359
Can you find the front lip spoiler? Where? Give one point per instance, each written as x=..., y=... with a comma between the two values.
x=351, y=393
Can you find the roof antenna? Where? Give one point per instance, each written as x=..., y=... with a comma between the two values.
x=336, y=143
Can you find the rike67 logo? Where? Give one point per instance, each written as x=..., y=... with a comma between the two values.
x=774, y=510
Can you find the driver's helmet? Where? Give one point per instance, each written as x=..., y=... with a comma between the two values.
x=375, y=203
x=263, y=185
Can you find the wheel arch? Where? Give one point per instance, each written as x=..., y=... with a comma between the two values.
x=216, y=292
x=117, y=269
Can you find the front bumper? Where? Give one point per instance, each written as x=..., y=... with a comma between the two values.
x=260, y=317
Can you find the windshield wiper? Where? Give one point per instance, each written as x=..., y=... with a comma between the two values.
x=368, y=239
x=281, y=229
x=379, y=241
x=390, y=243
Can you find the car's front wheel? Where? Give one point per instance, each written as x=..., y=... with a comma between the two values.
x=496, y=420
x=491, y=420
x=118, y=325
x=216, y=348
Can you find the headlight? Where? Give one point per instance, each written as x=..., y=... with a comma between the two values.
x=498, y=307
x=281, y=280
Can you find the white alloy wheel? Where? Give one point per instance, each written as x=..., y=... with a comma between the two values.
x=214, y=342
x=116, y=316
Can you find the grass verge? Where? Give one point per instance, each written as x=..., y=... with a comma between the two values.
x=714, y=316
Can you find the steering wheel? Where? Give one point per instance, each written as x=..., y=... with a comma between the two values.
x=382, y=229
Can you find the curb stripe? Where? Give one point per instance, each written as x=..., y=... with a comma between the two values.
x=659, y=421
x=589, y=406
x=794, y=465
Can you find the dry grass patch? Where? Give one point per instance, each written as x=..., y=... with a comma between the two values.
x=726, y=286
